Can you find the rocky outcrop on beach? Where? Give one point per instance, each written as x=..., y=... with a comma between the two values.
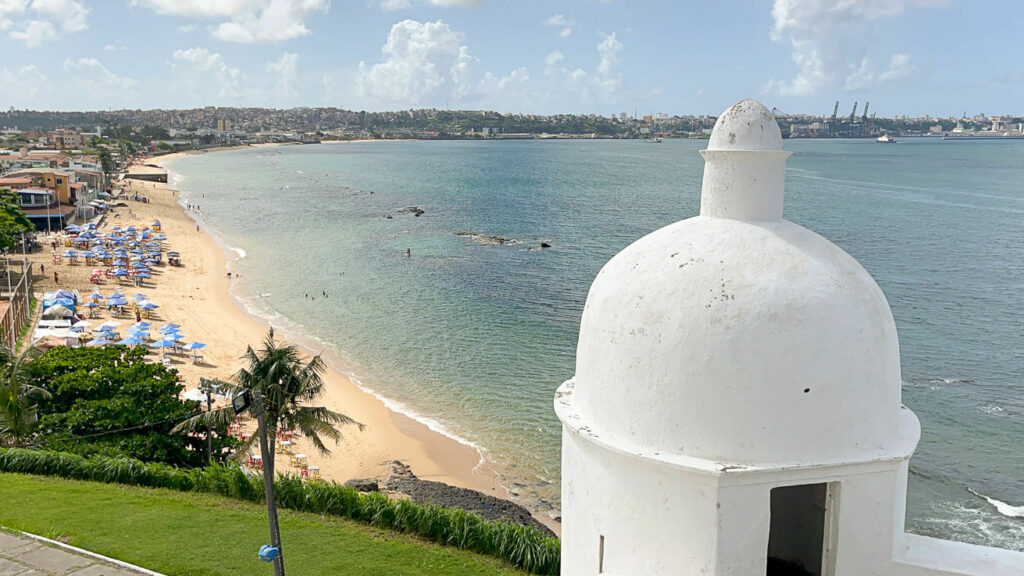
x=403, y=481
x=364, y=484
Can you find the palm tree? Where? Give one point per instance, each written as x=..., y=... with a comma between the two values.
x=19, y=413
x=286, y=384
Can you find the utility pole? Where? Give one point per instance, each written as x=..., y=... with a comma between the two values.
x=268, y=483
x=210, y=387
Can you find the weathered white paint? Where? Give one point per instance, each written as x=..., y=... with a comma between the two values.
x=726, y=355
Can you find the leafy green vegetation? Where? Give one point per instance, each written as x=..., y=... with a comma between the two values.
x=13, y=221
x=111, y=401
x=522, y=546
x=19, y=397
x=182, y=534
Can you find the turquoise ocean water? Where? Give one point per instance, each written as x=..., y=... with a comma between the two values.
x=474, y=338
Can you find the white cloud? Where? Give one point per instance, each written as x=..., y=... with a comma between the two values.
x=22, y=86
x=71, y=14
x=95, y=78
x=864, y=76
x=551, y=60
x=559, y=20
x=830, y=42
x=420, y=59
x=8, y=8
x=392, y=5
x=247, y=21
x=35, y=33
x=285, y=70
x=202, y=8
x=608, y=70
x=425, y=64
x=577, y=86
x=114, y=47
x=46, y=15
x=566, y=24
x=186, y=28
x=201, y=70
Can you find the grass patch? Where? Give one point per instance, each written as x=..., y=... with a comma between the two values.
x=192, y=534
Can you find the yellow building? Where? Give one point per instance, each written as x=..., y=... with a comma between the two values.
x=60, y=183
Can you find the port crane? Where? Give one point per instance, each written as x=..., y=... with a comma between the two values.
x=853, y=114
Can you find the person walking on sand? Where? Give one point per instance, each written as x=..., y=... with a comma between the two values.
x=271, y=332
x=56, y=279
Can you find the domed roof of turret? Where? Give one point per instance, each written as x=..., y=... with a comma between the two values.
x=737, y=336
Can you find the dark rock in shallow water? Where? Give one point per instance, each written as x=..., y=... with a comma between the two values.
x=414, y=210
x=402, y=480
x=364, y=484
x=488, y=239
x=545, y=245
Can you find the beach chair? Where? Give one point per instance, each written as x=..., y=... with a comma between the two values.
x=197, y=358
x=314, y=472
x=304, y=474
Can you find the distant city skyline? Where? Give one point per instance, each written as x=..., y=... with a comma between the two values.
x=907, y=57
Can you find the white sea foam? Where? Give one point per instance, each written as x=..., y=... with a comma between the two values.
x=305, y=339
x=1003, y=508
x=992, y=409
x=241, y=253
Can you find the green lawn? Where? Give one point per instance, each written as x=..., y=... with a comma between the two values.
x=188, y=534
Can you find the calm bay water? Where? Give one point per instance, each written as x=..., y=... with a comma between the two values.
x=475, y=338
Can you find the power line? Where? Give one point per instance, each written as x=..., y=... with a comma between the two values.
x=116, y=431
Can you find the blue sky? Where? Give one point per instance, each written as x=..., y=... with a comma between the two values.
x=913, y=57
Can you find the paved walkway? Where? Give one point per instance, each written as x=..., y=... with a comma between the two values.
x=21, y=556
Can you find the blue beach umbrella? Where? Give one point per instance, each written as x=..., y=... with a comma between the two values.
x=193, y=346
x=169, y=326
x=98, y=342
x=149, y=306
x=131, y=341
x=163, y=344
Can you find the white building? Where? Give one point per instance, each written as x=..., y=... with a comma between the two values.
x=736, y=406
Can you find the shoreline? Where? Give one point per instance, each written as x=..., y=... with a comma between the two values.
x=431, y=453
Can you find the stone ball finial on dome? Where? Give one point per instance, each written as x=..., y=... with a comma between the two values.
x=746, y=125
x=745, y=165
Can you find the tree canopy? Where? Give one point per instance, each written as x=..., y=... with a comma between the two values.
x=13, y=221
x=110, y=401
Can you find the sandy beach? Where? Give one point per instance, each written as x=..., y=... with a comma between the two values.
x=196, y=296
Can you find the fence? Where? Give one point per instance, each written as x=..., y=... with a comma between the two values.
x=16, y=286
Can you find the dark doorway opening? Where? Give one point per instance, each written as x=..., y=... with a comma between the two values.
x=800, y=525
